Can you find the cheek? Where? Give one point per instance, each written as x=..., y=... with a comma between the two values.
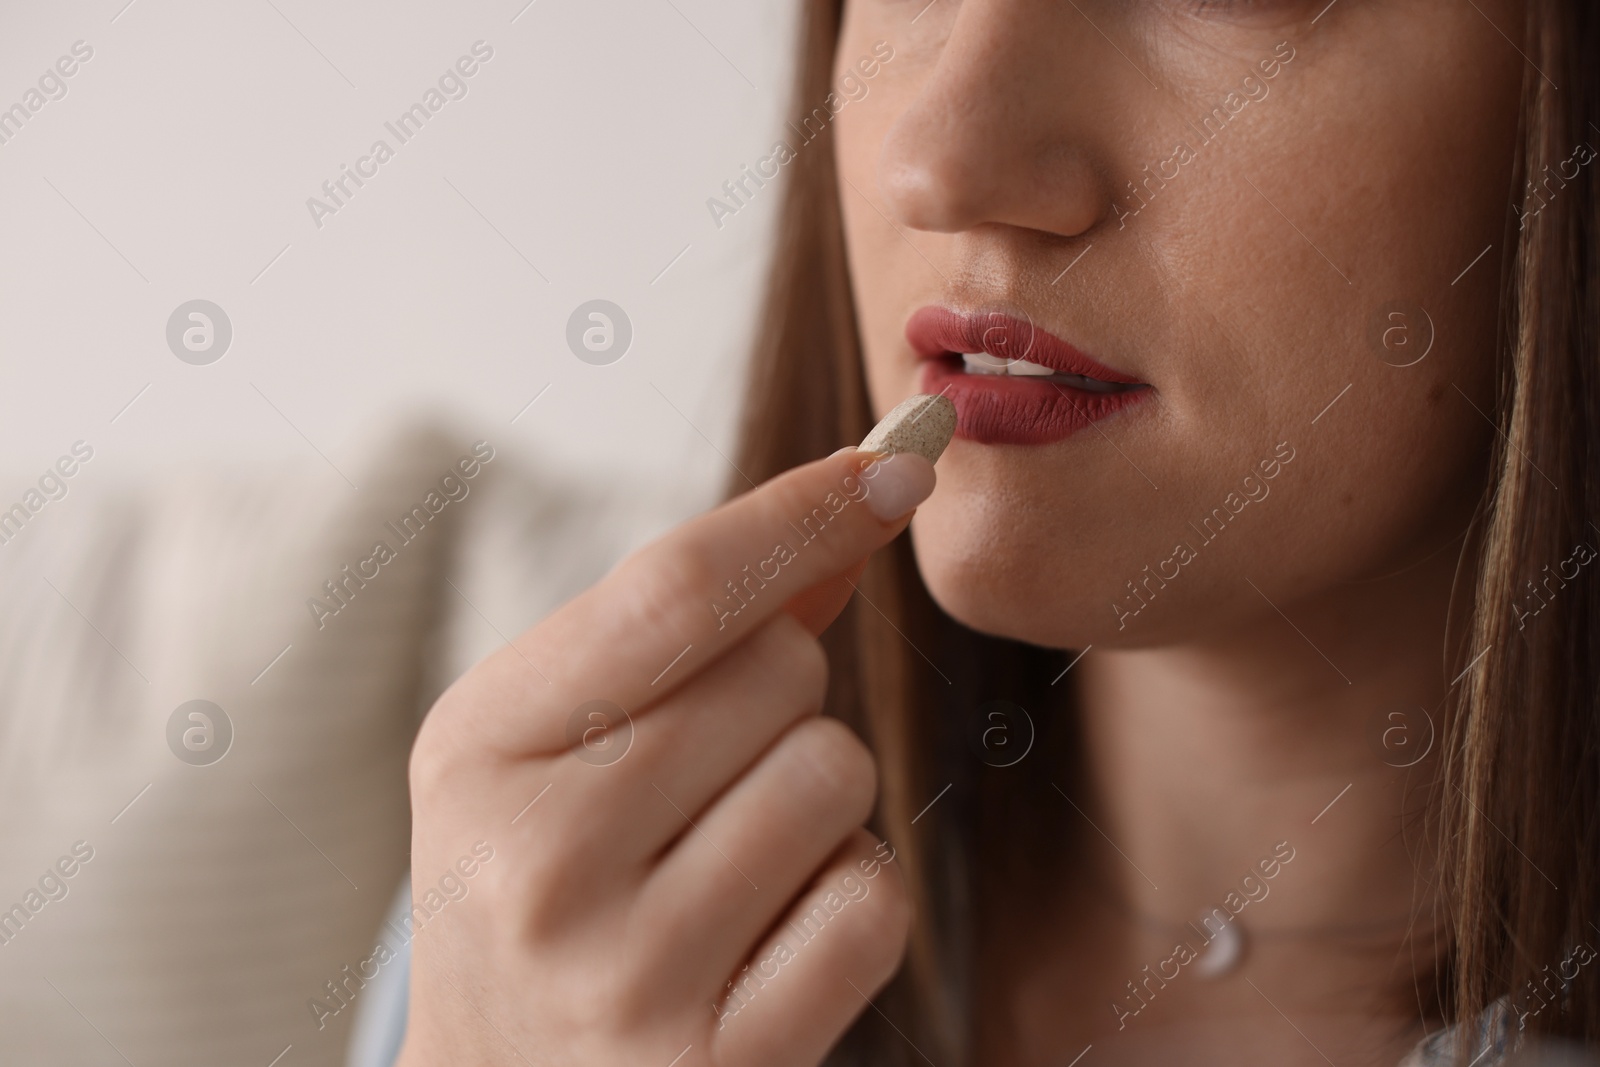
x=888, y=278
x=884, y=289
x=1266, y=298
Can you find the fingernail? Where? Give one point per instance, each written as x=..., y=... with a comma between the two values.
x=897, y=483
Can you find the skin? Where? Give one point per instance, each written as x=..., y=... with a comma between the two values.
x=638, y=867
x=633, y=880
x=990, y=154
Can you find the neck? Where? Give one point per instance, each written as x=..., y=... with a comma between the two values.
x=1209, y=762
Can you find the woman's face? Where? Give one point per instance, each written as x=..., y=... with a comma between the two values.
x=1270, y=213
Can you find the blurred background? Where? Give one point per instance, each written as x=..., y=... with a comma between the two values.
x=179, y=162
x=231, y=371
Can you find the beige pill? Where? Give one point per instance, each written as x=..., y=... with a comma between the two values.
x=922, y=424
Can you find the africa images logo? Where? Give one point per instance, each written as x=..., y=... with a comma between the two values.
x=851, y=87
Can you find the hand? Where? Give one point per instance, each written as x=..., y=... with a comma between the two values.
x=641, y=862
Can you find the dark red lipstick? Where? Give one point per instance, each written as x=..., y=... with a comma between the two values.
x=1009, y=408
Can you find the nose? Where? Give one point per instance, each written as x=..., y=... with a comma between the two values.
x=1002, y=129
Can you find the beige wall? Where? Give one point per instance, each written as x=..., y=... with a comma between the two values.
x=179, y=162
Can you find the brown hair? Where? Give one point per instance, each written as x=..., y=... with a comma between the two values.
x=1520, y=791
x=1518, y=796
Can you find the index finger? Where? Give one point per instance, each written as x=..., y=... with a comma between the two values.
x=685, y=599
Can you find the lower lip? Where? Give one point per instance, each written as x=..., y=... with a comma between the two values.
x=999, y=409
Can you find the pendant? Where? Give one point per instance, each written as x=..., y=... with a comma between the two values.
x=1223, y=952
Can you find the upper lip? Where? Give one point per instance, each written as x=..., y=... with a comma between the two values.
x=938, y=331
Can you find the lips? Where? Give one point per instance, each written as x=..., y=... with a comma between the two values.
x=1061, y=393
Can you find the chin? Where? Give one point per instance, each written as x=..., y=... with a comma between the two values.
x=989, y=585
x=992, y=570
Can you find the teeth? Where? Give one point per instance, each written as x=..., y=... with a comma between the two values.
x=1022, y=366
x=985, y=363
x=982, y=363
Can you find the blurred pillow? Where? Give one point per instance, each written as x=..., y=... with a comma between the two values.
x=210, y=899
x=224, y=909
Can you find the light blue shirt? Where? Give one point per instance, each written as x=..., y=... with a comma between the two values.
x=380, y=1026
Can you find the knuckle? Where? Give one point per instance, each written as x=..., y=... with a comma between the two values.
x=551, y=886
x=591, y=997
x=663, y=584
x=889, y=920
x=637, y=990
x=442, y=751
x=895, y=904
x=793, y=658
x=887, y=911
x=834, y=763
x=428, y=770
x=537, y=918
